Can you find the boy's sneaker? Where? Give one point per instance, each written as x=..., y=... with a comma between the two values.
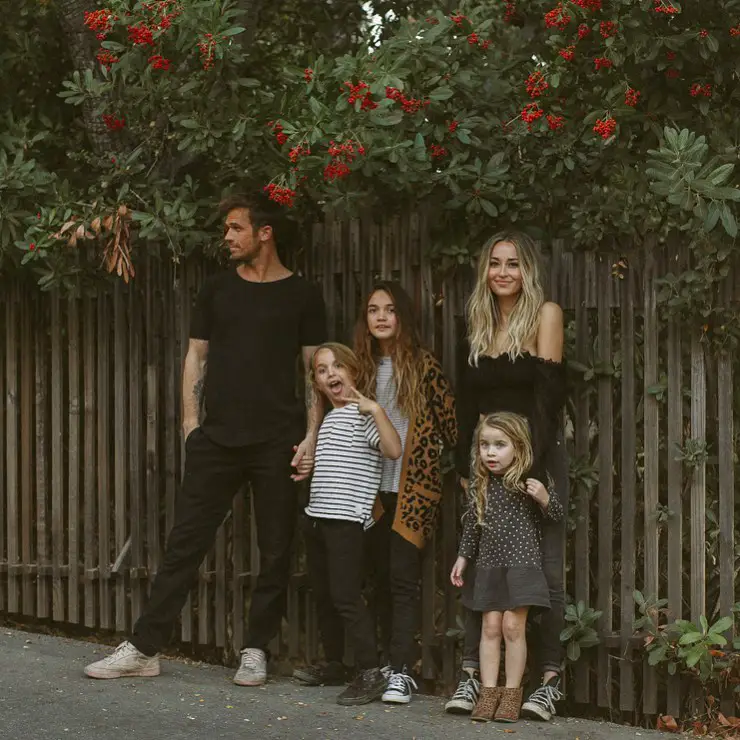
x=331, y=674
x=367, y=686
x=123, y=662
x=466, y=695
x=541, y=703
x=253, y=668
x=399, y=688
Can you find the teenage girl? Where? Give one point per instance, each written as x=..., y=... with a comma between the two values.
x=499, y=562
x=408, y=382
x=353, y=439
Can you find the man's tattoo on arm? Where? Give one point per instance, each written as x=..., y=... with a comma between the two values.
x=310, y=394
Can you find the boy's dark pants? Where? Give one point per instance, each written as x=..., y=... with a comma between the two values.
x=334, y=551
x=213, y=474
x=550, y=650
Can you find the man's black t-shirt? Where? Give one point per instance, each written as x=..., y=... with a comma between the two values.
x=255, y=332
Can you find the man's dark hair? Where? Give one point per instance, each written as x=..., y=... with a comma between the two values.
x=262, y=210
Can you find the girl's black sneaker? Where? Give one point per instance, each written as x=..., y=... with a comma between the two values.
x=367, y=686
x=331, y=674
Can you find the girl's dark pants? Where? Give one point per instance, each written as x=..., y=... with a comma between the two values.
x=394, y=570
x=334, y=552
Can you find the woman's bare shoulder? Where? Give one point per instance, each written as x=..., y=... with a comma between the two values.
x=551, y=312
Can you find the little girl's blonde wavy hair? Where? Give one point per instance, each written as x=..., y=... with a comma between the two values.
x=516, y=428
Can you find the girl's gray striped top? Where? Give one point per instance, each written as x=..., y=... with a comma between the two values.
x=386, y=395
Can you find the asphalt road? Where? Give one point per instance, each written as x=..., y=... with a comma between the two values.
x=45, y=696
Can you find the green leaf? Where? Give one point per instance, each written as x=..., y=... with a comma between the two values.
x=728, y=222
x=233, y=31
x=489, y=208
x=248, y=82
x=189, y=123
x=392, y=118
x=712, y=216
x=441, y=93
x=463, y=136
x=712, y=43
x=721, y=625
x=721, y=174
x=573, y=651
x=690, y=638
x=657, y=655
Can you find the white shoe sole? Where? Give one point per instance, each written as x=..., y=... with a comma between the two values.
x=110, y=674
x=458, y=707
x=535, y=712
x=395, y=699
x=255, y=682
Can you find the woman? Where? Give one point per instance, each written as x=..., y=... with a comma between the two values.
x=512, y=361
x=408, y=383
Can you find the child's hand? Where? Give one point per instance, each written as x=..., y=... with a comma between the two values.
x=366, y=406
x=538, y=492
x=457, y=571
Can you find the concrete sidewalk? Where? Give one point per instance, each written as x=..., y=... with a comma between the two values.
x=44, y=696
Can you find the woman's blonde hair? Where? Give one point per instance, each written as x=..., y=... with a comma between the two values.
x=408, y=367
x=484, y=314
x=516, y=428
x=343, y=355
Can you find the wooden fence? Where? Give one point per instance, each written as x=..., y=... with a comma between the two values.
x=89, y=429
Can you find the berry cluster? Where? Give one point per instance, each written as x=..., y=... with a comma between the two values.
x=606, y=127
x=141, y=34
x=698, y=90
x=100, y=21
x=558, y=17
x=660, y=6
x=583, y=31
x=106, y=58
x=207, y=49
x=536, y=84
x=473, y=39
x=452, y=126
x=703, y=33
x=436, y=151
x=458, y=19
x=157, y=61
x=280, y=194
x=607, y=29
x=112, y=123
x=342, y=155
x=167, y=10
x=555, y=122
x=277, y=129
x=568, y=53
x=510, y=11
x=631, y=97
x=602, y=63
x=592, y=5
x=308, y=74
x=297, y=152
x=360, y=91
x=409, y=105
x=735, y=32
x=530, y=113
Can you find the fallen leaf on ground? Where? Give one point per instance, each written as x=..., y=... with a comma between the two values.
x=666, y=723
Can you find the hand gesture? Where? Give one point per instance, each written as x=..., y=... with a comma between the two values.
x=366, y=406
x=457, y=571
x=537, y=491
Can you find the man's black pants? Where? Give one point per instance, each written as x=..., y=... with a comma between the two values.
x=213, y=475
x=334, y=552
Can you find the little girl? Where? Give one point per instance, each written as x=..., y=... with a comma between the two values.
x=502, y=537
x=353, y=437
x=408, y=382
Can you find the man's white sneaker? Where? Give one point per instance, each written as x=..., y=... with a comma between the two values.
x=125, y=661
x=253, y=668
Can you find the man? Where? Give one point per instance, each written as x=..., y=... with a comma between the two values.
x=248, y=326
